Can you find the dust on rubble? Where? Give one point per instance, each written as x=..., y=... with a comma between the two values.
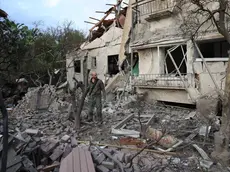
x=42, y=133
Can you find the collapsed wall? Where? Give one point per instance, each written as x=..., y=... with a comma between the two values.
x=41, y=98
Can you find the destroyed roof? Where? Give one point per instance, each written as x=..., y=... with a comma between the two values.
x=111, y=37
x=3, y=13
x=104, y=24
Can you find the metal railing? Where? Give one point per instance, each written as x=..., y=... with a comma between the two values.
x=162, y=80
x=149, y=7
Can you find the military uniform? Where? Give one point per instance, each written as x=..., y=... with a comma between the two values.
x=95, y=98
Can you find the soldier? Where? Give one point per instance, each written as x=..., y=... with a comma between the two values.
x=95, y=89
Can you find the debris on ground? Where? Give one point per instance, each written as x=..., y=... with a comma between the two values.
x=134, y=135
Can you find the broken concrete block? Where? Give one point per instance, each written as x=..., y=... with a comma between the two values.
x=74, y=142
x=48, y=147
x=109, y=165
x=128, y=170
x=44, y=161
x=65, y=138
x=95, y=154
x=67, y=150
x=128, y=158
x=40, y=167
x=56, y=153
x=32, y=144
x=101, y=157
x=120, y=156
x=204, y=129
x=32, y=131
x=102, y=168
x=37, y=139
x=206, y=163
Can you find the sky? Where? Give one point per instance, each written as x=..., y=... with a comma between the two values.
x=54, y=12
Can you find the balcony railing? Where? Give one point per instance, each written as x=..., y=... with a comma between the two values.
x=153, y=8
x=162, y=80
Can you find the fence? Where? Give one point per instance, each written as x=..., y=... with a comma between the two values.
x=162, y=80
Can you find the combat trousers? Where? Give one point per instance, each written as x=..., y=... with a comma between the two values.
x=95, y=101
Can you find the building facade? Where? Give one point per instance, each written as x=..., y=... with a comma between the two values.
x=171, y=67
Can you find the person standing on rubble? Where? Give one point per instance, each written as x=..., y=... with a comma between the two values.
x=95, y=89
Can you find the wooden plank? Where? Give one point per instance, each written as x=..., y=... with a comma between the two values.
x=90, y=161
x=106, y=15
x=120, y=124
x=94, y=18
x=50, y=167
x=76, y=160
x=84, y=167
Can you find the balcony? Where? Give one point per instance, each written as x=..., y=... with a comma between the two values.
x=162, y=81
x=155, y=9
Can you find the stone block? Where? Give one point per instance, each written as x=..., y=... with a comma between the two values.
x=32, y=131
x=128, y=158
x=65, y=138
x=100, y=158
x=101, y=168
x=120, y=156
x=109, y=165
x=44, y=161
x=74, y=142
x=57, y=153
x=48, y=147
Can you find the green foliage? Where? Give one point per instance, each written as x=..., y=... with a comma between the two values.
x=34, y=53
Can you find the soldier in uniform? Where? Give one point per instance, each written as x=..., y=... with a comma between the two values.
x=96, y=90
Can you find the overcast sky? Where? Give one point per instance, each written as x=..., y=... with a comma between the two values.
x=52, y=12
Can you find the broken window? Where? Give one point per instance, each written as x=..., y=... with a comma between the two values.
x=94, y=63
x=113, y=67
x=179, y=55
x=214, y=49
x=77, y=66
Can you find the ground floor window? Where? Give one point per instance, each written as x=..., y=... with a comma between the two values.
x=77, y=66
x=113, y=67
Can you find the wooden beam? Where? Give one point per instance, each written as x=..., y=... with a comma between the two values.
x=111, y=4
x=94, y=18
x=100, y=12
x=89, y=22
x=107, y=14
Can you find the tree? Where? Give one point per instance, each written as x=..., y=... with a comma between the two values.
x=35, y=54
x=16, y=40
x=206, y=14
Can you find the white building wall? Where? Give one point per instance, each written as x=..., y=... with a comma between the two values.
x=101, y=55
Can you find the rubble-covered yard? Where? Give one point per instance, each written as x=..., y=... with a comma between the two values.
x=135, y=135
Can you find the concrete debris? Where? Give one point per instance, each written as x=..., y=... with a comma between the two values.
x=102, y=168
x=124, y=132
x=204, y=130
x=42, y=133
x=32, y=131
x=65, y=138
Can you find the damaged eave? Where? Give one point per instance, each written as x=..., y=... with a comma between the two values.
x=111, y=37
x=157, y=43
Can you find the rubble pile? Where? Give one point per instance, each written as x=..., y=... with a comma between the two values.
x=168, y=138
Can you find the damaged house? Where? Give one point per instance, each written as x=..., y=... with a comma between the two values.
x=172, y=67
x=101, y=52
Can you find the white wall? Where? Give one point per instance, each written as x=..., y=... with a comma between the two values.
x=70, y=68
x=101, y=55
x=218, y=72
x=150, y=62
